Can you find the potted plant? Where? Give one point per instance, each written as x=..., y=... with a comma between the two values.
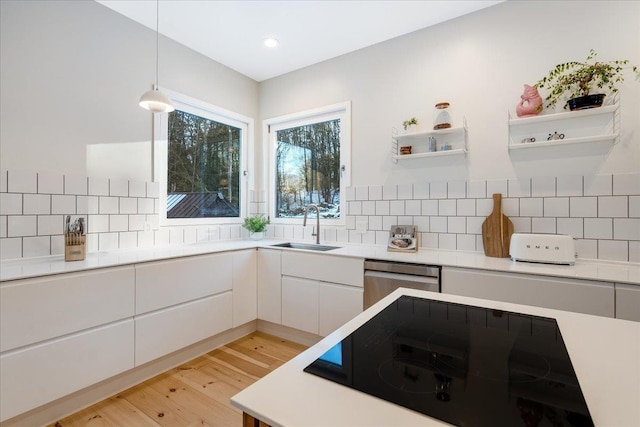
x=579, y=79
x=408, y=123
x=256, y=225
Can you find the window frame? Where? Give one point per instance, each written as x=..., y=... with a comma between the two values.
x=340, y=111
x=160, y=154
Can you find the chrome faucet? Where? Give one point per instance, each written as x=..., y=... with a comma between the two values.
x=304, y=223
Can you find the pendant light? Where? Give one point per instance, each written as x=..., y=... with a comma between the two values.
x=154, y=100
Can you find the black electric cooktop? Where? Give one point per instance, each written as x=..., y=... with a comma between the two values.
x=465, y=365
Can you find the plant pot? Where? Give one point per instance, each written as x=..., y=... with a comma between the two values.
x=256, y=235
x=585, y=102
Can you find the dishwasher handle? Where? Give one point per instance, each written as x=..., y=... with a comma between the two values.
x=402, y=268
x=417, y=280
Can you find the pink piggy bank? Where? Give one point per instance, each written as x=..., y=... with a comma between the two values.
x=530, y=103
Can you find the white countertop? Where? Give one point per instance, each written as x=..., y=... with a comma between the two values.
x=605, y=354
x=583, y=269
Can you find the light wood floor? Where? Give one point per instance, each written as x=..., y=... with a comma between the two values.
x=196, y=393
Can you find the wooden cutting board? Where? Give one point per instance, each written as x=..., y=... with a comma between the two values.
x=496, y=231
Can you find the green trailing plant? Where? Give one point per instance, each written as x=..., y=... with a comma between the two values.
x=256, y=223
x=411, y=121
x=578, y=79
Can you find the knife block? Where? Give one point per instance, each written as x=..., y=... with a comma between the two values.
x=74, y=247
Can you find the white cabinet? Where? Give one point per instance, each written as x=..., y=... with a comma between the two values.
x=327, y=268
x=245, y=292
x=35, y=375
x=582, y=296
x=165, y=283
x=628, y=302
x=34, y=310
x=337, y=305
x=269, y=286
x=300, y=304
x=161, y=332
x=595, y=125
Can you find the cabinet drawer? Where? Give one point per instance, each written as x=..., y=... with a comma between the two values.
x=166, y=283
x=337, y=305
x=628, y=302
x=42, y=373
x=34, y=310
x=300, y=304
x=581, y=296
x=327, y=268
x=169, y=330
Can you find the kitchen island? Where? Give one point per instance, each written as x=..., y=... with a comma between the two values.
x=605, y=354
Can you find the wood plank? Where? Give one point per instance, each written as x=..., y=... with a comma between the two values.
x=117, y=411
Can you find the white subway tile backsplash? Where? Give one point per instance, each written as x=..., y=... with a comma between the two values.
x=139, y=189
x=3, y=226
x=76, y=184
x=413, y=207
x=369, y=238
x=531, y=207
x=382, y=237
x=118, y=223
x=405, y=191
x=466, y=242
x=405, y=220
x=351, y=193
x=587, y=249
x=519, y=188
x=497, y=186
x=355, y=237
x=87, y=205
x=474, y=224
x=598, y=185
x=571, y=226
x=456, y=224
x=20, y=226
x=98, y=223
x=389, y=221
x=191, y=235
x=447, y=241
x=613, y=206
x=382, y=207
x=477, y=189
x=22, y=182
x=154, y=221
x=36, y=246
x=118, y=187
x=634, y=206
x=556, y=206
x=362, y=193
x=613, y=250
x=108, y=205
x=446, y=207
x=466, y=207
x=65, y=205
x=438, y=190
x=389, y=192
x=50, y=225
x=626, y=184
x=50, y=183
x=543, y=225
x=10, y=248
x=569, y=186
x=375, y=192
x=375, y=222
x=422, y=222
x=456, y=189
x=429, y=240
x=484, y=207
x=511, y=207
x=176, y=234
x=128, y=205
x=369, y=208
x=39, y=204
x=438, y=224
x=520, y=224
x=108, y=241
x=162, y=237
x=598, y=228
x=355, y=208
x=153, y=189
x=57, y=244
x=626, y=228
x=583, y=207
x=145, y=206
x=128, y=240
x=430, y=207
x=342, y=235
x=3, y=181
x=98, y=187
x=543, y=186
x=634, y=251
x=421, y=190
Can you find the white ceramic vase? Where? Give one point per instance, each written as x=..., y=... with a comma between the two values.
x=257, y=235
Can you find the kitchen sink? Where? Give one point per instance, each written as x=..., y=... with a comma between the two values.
x=306, y=246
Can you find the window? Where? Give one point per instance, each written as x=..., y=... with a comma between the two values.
x=201, y=159
x=309, y=160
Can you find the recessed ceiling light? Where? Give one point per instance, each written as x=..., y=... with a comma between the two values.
x=271, y=42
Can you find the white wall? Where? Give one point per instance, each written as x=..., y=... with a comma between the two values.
x=479, y=63
x=70, y=77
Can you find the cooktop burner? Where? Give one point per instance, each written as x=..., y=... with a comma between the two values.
x=465, y=365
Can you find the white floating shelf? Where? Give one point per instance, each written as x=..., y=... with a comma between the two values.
x=564, y=116
x=567, y=141
x=428, y=133
x=460, y=151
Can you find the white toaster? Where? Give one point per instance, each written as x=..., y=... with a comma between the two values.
x=543, y=248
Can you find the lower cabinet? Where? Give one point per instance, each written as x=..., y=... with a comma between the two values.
x=581, y=296
x=318, y=307
x=163, y=331
x=269, y=285
x=38, y=374
x=628, y=302
x=245, y=291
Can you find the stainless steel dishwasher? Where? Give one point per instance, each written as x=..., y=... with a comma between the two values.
x=383, y=277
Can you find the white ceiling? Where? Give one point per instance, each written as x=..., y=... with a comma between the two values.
x=232, y=32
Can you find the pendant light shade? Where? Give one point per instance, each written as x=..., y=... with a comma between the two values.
x=154, y=100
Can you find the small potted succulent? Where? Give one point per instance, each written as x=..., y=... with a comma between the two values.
x=256, y=225
x=578, y=80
